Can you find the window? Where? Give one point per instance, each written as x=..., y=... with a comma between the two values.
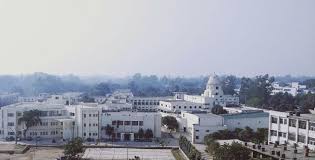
x=140, y=123
x=10, y=114
x=197, y=137
x=84, y=125
x=291, y=136
x=311, y=126
x=185, y=107
x=311, y=140
x=90, y=115
x=292, y=122
x=84, y=134
x=10, y=123
x=179, y=107
x=197, y=130
x=207, y=131
x=174, y=107
x=19, y=114
x=274, y=120
x=114, y=122
x=120, y=123
x=216, y=87
x=84, y=115
x=134, y=123
x=302, y=124
x=127, y=123
x=190, y=107
x=273, y=133
x=301, y=138
x=199, y=106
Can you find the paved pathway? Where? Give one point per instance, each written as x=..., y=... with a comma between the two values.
x=201, y=148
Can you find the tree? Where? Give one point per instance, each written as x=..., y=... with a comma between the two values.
x=218, y=110
x=170, y=122
x=235, y=151
x=109, y=130
x=30, y=118
x=247, y=134
x=261, y=135
x=72, y=148
x=255, y=92
x=148, y=134
x=141, y=133
x=229, y=84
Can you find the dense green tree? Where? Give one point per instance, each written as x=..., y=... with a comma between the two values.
x=170, y=122
x=30, y=118
x=310, y=83
x=261, y=135
x=141, y=133
x=229, y=84
x=247, y=134
x=109, y=130
x=256, y=92
x=148, y=134
x=72, y=148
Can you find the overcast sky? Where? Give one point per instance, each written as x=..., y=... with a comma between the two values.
x=164, y=37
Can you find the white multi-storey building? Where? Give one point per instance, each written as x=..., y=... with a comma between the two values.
x=199, y=124
x=60, y=120
x=127, y=124
x=147, y=103
x=176, y=106
x=292, y=128
x=293, y=88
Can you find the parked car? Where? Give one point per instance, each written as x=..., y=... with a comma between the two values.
x=29, y=138
x=9, y=138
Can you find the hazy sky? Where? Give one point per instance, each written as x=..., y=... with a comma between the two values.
x=184, y=37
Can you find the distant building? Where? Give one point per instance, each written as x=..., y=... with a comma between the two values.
x=293, y=88
x=8, y=98
x=213, y=95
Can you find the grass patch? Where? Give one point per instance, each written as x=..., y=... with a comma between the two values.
x=177, y=154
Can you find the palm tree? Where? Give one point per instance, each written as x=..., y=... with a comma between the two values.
x=141, y=133
x=148, y=134
x=30, y=118
x=109, y=130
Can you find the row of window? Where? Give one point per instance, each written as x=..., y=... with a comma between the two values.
x=90, y=115
x=90, y=134
x=44, y=133
x=146, y=103
x=94, y=124
x=127, y=123
x=292, y=123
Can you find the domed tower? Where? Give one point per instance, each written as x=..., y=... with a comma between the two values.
x=213, y=88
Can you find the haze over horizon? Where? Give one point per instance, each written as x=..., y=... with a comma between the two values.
x=120, y=38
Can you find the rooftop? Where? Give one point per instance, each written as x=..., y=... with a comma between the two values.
x=310, y=117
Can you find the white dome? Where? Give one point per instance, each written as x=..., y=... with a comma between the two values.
x=213, y=80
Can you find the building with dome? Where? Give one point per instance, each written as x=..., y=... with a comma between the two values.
x=213, y=95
